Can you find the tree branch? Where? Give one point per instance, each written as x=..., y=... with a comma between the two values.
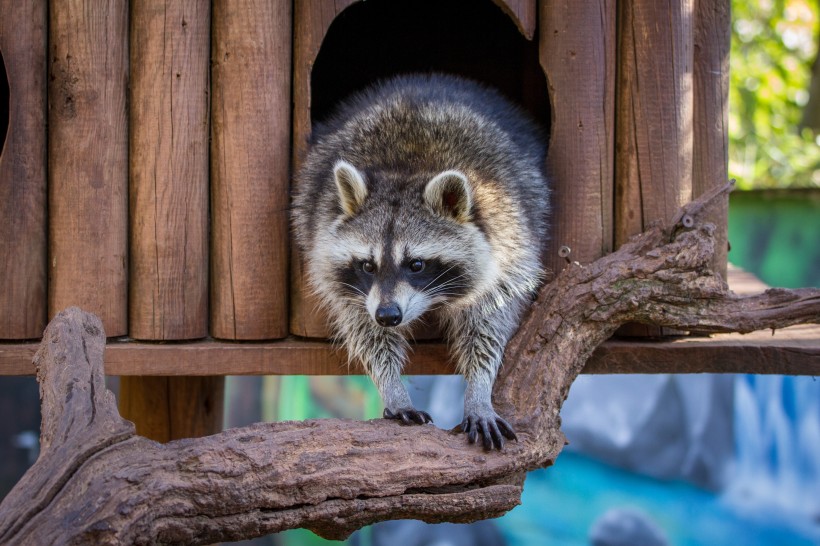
x=96, y=482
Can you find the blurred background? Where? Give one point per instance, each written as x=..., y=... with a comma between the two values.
x=656, y=459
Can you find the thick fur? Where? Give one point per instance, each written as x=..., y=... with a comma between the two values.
x=425, y=192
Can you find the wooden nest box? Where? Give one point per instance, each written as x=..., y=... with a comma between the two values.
x=147, y=163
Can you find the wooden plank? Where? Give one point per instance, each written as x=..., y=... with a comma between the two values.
x=312, y=18
x=23, y=247
x=793, y=351
x=250, y=169
x=654, y=105
x=577, y=51
x=168, y=157
x=712, y=42
x=87, y=159
x=523, y=13
x=170, y=408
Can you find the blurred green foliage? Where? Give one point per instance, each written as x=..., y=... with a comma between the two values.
x=774, y=43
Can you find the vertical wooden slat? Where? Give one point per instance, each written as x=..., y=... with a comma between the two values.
x=654, y=113
x=168, y=157
x=312, y=18
x=654, y=105
x=87, y=159
x=23, y=43
x=250, y=174
x=577, y=51
x=713, y=32
x=170, y=408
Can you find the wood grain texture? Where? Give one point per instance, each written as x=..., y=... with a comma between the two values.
x=88, y=159
x=170, y=408
x=97, y=482
x=654, y=112
x=577, y=51
x=523, y=13
x=250, y=175
x=168, y=157
x=23, y=215
x=311, y=20
x=712, y=42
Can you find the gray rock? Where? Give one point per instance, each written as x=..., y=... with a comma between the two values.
x=626, y=527
x=665, y=426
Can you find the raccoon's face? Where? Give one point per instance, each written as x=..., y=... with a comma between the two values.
x=401, y=253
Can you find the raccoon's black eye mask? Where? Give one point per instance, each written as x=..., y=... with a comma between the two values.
x=415, y=265
x=434, y=277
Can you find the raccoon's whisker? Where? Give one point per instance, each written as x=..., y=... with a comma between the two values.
x=449, y=289
x=439, y=276
x=354, y=288
x=446, y=286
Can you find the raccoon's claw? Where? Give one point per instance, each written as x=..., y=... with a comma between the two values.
x=408, y=416
x=493, y=430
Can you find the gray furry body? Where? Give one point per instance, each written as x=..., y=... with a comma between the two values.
x=425, y=192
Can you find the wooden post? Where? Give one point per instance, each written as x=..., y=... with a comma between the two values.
x=170, y=408
x=577, y=51
x=23, y=248
x=311, y=20
x=713, y=33
x=87, y=159
x=654, y=104
x=654, y=112
x=250, y=169
x=168, y=156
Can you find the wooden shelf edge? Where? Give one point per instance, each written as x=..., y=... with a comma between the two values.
x=790, y=351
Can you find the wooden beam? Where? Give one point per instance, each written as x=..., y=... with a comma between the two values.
x=793, y=351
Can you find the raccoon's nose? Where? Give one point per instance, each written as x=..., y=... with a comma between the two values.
x=388, y=315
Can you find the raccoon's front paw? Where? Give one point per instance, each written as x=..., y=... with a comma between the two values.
x=493, y=429
x=408, y=416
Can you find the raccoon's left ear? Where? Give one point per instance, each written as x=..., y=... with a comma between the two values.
x=351, y=187
x=449, y=193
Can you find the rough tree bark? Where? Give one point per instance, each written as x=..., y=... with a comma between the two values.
x=97, y=482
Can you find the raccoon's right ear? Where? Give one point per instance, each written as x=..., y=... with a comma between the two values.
x=449, y=194
x=351, y=186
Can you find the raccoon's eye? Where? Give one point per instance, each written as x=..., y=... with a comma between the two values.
x=368, y=267
x=416, y=266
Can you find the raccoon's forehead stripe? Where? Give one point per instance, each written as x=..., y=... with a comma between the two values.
x=387, y=258
x=447, y=250
x=340, y=250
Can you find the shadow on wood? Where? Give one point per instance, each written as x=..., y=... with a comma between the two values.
x=97, y=482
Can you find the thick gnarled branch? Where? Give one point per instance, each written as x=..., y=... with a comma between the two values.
x=96, y=482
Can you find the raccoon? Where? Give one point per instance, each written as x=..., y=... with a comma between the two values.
x=425, y=192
